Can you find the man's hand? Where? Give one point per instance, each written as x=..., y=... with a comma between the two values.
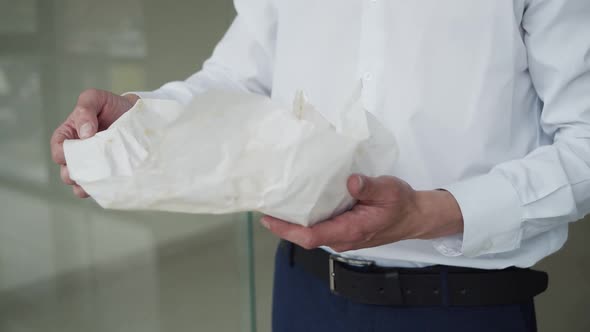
x=388, y=210
x=95, y=111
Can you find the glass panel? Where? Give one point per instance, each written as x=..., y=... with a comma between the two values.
x=67, y=267
x=22, y=143
x=18, y=16
x=66, y=264
x=107, y=27
x=265, y=244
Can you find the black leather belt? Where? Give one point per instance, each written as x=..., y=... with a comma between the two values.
x=364, y=282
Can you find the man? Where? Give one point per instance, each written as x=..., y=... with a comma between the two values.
x=490, y=104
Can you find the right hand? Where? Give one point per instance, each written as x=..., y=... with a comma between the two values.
x=95, y=111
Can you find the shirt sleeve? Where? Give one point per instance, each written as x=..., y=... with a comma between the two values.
x=241, y=61
x=523, y=198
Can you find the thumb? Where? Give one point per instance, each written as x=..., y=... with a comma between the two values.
x=85, y=115
x=365, y=188
x=86, y=126
x=376, y=189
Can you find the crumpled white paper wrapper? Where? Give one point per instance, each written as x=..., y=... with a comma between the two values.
x=230, y=152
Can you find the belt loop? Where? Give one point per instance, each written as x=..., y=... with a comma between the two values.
x=444, y=286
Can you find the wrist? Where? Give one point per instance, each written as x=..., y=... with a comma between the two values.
x=439, y=214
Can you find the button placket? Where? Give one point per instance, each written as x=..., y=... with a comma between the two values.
x=370, y=52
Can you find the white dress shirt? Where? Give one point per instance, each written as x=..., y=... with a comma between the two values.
x=488, y=99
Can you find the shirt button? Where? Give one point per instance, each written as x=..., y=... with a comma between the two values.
x=367, y=76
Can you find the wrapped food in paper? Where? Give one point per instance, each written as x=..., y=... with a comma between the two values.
x=228, y=152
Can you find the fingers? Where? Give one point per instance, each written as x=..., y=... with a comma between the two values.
x=83, y=123
x=303, y=236
x=57, y=150
x=63, y=132
x=78, y=191
x=65, y=175
x=345, y=228
x=369, y=223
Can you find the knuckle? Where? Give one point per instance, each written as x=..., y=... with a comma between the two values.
x=387, y=180
x=56, y=155
x=55, y=137
x=65, y=175
x=78, y=191
x=81, y=111
x=62, y=174
x=53, y=154
x=55, y=143
x=395, y=191
x=89, y=94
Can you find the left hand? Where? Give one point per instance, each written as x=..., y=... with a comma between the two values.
x=388, y=210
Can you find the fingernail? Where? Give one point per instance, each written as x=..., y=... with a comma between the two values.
x=361, y=181
x=86, y=130
x=265, y=223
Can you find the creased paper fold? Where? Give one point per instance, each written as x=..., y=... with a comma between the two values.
x=229, y=152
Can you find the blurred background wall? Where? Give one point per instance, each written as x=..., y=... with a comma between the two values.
x=67, y=265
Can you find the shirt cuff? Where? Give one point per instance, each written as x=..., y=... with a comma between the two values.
x=492, y=217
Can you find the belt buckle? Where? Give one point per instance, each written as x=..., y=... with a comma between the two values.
x=333, y=259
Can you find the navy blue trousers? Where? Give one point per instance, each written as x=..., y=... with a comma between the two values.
x=303, y=303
